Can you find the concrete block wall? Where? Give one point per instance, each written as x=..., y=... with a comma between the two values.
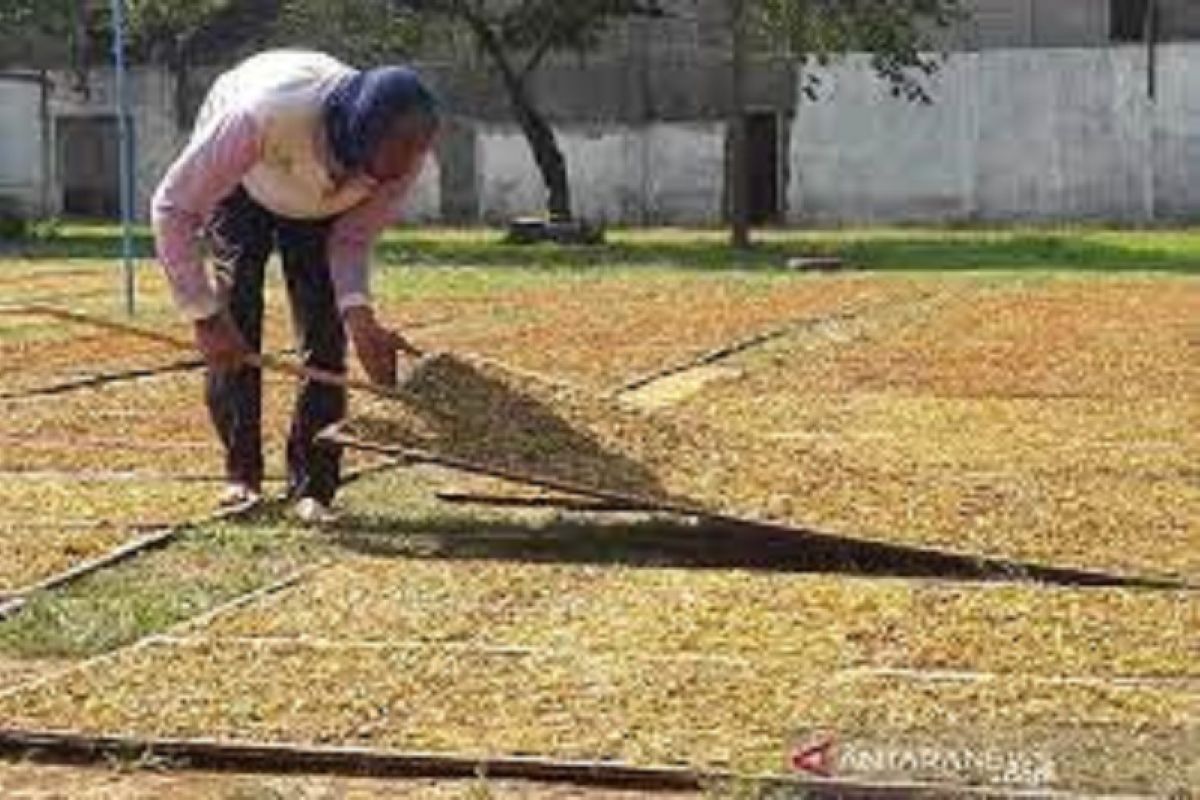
x=1179, y=19
x=1000, y=24
x=997, y=23
x=1070, y=23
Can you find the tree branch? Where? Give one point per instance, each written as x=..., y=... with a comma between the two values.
x=491, y=44
x=539, y=54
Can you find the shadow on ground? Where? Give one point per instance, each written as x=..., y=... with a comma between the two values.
x=678, y=543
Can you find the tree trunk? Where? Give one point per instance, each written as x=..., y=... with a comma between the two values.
x=80, y=50
x=542, y=141
x=179, y=66
x=546, y=153
x=739, y=177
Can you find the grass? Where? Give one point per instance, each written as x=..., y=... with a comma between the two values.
x=894, y=249
x=149, y=594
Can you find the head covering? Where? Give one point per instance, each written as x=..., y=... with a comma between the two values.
x=363, y=107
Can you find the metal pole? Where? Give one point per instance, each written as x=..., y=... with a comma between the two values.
x=124, y=127
x=739, y=162
x=1150, y=34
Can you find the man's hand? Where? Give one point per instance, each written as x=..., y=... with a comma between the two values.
x=376, y=346
x=219, y=340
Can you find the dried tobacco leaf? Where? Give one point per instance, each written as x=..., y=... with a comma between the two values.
x=645, y=709
x=830, y=621
x=512, y=423
x=624, y=328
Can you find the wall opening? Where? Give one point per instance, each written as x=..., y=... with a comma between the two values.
x=89, y=166
x=1128, y=20
x=763, y=164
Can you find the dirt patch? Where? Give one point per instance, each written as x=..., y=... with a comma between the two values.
x=673, y=389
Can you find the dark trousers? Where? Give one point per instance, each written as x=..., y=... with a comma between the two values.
x=241, y=236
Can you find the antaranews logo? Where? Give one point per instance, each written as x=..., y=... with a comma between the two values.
x=817, y=757
x=826, y=755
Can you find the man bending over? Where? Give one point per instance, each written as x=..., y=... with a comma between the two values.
x=296, y=151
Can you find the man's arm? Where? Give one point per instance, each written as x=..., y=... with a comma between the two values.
x=352, y=238
x=350, y=243
x=208, y=170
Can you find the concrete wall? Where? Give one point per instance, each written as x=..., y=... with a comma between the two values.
x=1174, y=164
x=1020, y=134
x=424, y=202
x=647, y=174
x=1012, y=135
x=23, y=156
x=156, y=136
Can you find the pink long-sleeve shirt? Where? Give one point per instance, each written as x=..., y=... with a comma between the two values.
x=261, y=127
